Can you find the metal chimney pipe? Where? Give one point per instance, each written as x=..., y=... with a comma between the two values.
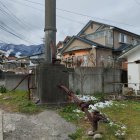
x=50, y=29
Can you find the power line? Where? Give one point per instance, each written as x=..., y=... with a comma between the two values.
x=7, y=14
x=26, y=26
x=6, y=30
x=15, y=19
x=65, y=18
x=34, y=2
x=137, y=2
x=80, y=14
x=84, y=15
x=6, y=26
x=70, y=19
x=21, y=3
x=2, y=41
x=19, y=21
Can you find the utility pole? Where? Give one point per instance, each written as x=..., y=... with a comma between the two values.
x=50, y=29
x=50, y=74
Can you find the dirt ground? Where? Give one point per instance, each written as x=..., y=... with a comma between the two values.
x=47, y=125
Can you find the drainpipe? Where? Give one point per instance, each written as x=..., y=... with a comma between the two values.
x=113, y=39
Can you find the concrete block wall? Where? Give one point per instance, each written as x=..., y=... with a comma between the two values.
x=95, y=80
x=11, y=80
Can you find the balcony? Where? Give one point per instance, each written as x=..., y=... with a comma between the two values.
x=104, y=37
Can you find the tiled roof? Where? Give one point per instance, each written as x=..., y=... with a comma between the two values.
x=123, y=47
x=117, y=28
x=97, y=45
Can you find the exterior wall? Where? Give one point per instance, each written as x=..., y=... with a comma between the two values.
x=92, y=57
x=91, y=29
x=88, y=57
x=76, y=53
x=10, y=81
x=103, y=36
x=124, y=65
x=77, y=59
x=134, y=70
x=116, y=39
x=101, y=40
x=78, y=44
x=73, y=52
x=117, y=44
x=104, y=55
x=93, y=80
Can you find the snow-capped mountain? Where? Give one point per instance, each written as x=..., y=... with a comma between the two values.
x=22, y=50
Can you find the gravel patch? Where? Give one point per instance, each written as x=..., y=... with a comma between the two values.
x=47, y=125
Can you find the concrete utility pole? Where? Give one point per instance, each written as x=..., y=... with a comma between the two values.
x=49, y=74
x=50, y=29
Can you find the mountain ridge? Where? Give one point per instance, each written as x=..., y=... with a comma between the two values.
x=24, y=50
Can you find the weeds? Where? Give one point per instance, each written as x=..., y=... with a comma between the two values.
x=124, y=121
x=79, y=135
x=3, y=89
x=69, y=113
x=18, y=102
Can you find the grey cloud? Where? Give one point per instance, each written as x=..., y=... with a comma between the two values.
x=115, y=11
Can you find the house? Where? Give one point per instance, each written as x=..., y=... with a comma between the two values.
x=110, y=41
x=132, y=56
x=83, y=52
x=60, y=45
x=108, y=35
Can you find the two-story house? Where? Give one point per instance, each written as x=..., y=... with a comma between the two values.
x=97, y=44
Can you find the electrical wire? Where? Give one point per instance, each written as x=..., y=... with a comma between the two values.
x=19, y=21
x=2, y=41
x=12, y=30
x=80, y=14
x=70, y=20
x=41, y=10
x=34, y=2
x=137, y=2
x=13, y=18
x=6, y=30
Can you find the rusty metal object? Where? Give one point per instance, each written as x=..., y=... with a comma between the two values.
x=30, y=87
x=54, y=59
x=93, y=117
x=26, y=76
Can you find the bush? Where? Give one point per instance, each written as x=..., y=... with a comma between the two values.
x=100, y=96
x=77, y=92
x=3, y=89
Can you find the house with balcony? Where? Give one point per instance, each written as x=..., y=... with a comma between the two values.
x=98, y=42
x=108, y=35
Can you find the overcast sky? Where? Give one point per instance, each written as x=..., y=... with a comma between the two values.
x=26, y=20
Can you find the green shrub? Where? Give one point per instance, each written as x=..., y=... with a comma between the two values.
x=100, y=96
x=68, y=113
x=3, y=89
x=77, y=92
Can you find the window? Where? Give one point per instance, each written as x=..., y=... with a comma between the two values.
x=122, y=38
